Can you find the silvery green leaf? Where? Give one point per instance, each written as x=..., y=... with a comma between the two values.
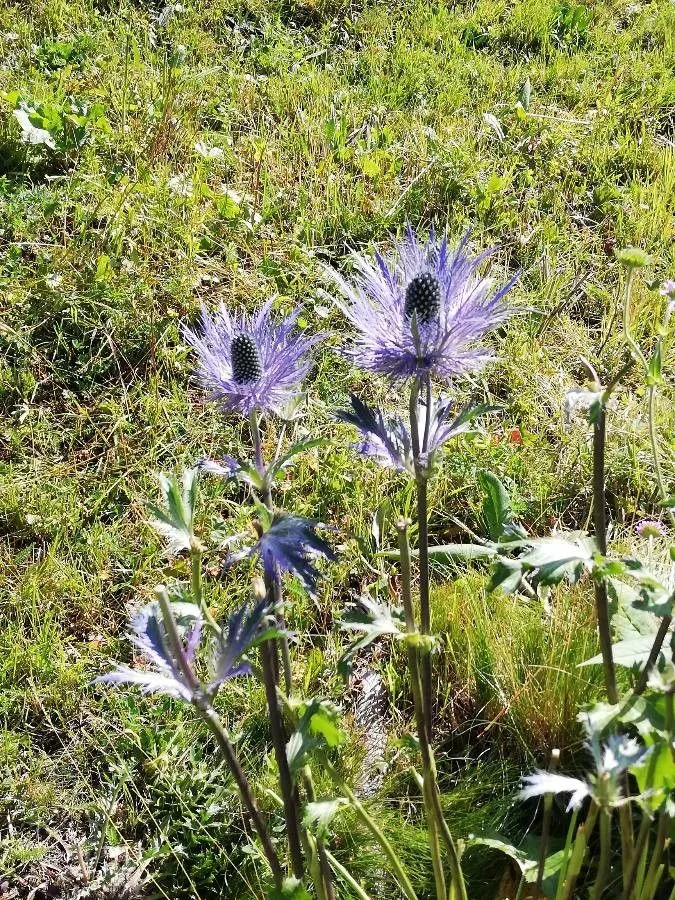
x=517, y=854
x=462, y=551
x=173, y=519
x=496, y=506
x=631, y=652
x=525, y=94
x=318, y=816
x=30, y=133
x=494, y=124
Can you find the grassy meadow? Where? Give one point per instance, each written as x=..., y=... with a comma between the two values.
x=227, y=150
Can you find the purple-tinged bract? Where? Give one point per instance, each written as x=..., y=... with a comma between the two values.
x=290, y=545
x=387, y=439
x=251, y=362
x=422, y=313
x=244, y=631
x=148, y=635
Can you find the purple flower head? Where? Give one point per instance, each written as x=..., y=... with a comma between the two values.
x=667, y=289
x=149, y=636
x=649, y=528
x=387, y=439
x=251, y=362
x=423, y=313
x=291, y=544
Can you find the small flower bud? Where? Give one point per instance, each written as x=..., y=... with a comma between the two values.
x=633, y=257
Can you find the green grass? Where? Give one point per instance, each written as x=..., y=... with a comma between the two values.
x=338, y=122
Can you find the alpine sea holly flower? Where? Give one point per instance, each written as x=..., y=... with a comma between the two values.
x=387, y=440
x=619, y=754
x=290, y=544
x=148, y=634
x=424, y=312
x=175, y=675
x=251, y=362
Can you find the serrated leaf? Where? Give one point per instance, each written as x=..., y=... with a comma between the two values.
x=318, y=726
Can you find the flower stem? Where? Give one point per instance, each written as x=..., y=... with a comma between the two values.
x=197, y=586
x=325, y=871
x=546, y=825
x=600, y=524
x=288, y=792
x=423, y=541
x=605, y=851
x=276, y=587
x=579, y=850
x=435, y=818
x=631, y=874
x=219, y=731
x=395, y=863
x=346, y=876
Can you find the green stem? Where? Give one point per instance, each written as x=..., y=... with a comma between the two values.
x=276, y=585
x=605, y=852
x=197, y=585
x=641, y=683
x=600, y=525
x=421, y=485
x=218, y=730
x=325, y=872
x=546, y=824
x=431, y=793
x=346, y=876
x=655, y=871
x=653, y=437
x=630, y=340
x=629, y=881
x=396, y=865
x=288, y=793
x=562, y=875
x=579, y=850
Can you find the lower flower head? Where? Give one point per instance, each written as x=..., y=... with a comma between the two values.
x=649, y=528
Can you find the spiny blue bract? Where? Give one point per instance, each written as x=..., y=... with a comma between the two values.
x=453, y=306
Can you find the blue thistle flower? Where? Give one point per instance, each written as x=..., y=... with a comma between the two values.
x=423, y=313
x=289, y=545
x=251, y=362
x=387, y=439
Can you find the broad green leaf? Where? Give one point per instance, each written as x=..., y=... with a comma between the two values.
x=496, y=506
x=629, y=653
x=656, y=775
x=318, y=726
x=372, y=620
x=506, y=575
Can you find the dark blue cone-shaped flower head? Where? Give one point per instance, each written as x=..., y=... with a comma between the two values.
x=251, y=362
x=423, y=312
x=291, y=544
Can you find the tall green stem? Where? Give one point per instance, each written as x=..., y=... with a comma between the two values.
x=605, y=853
x=291, y=814
x=421, y=485
x=600, y=524
x=435, y=818
x=197, y=587
x=276, y=587
x=396, y=865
